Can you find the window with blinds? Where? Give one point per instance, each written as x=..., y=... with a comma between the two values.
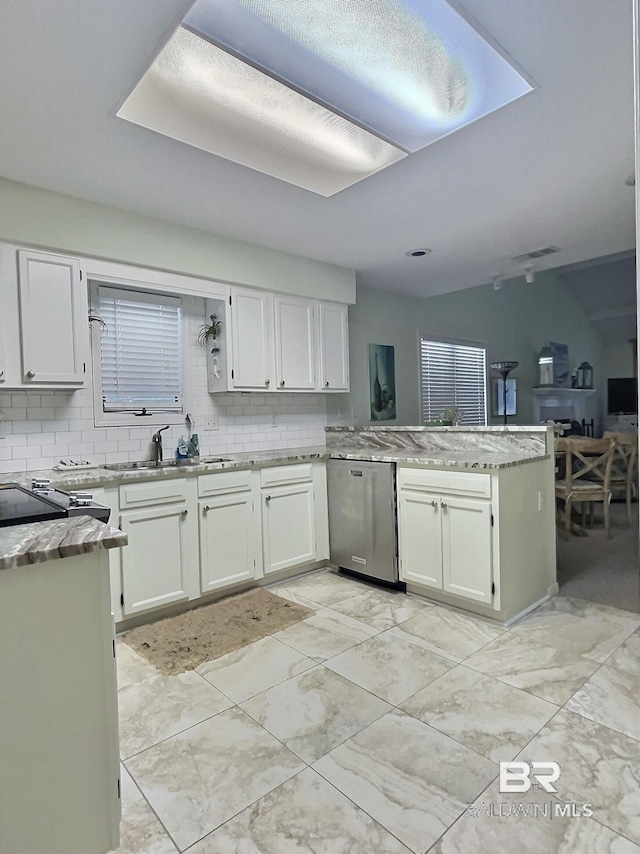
x=140, y=351
x=453, y=374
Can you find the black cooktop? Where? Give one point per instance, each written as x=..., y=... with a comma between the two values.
x=19, y=506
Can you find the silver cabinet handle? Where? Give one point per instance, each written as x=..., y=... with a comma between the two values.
x=281, y=382
x=1, y=373
x=31, y=374
x=184, y=513
x=327, y=384
x=206, y=508
x=434, y=503
x=266, y=382
x=267, y=498
x=443, y=504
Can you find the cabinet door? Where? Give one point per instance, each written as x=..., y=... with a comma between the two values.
x=154, y=563
x=288, y=526
x=420, y=538
x=334, y=347
x=226, y=540
x=53, y=319
x=295, y=346
x=467, y=549
x=251, y=323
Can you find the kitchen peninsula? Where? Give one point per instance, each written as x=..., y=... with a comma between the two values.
x=59, y=790
x=475, y=514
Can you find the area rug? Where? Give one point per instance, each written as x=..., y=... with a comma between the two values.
x=181, y=643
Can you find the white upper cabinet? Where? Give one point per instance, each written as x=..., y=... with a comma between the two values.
x=251, y=340
x=44, y=328
x=275, y=343
x=53, y=319
x=295, y=344
x=334, y=347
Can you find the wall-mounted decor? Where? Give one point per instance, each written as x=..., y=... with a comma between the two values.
x=382, y=382
x=497, y=397
x=561, y=370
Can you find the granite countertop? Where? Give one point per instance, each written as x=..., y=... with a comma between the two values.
x=467, y=458
x=476, y=459
x=22, y=545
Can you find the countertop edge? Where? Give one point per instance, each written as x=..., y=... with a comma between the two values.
x=39, y=542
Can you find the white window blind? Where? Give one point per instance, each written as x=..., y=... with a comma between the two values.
x=453, y=375
x=140, y=351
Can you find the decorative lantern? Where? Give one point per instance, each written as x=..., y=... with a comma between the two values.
x=585, y=375
x=545, y=367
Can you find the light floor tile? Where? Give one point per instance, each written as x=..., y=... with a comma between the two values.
x=314, y=712
x=597, y=766
x=488, y=716
x=198, y=779
x=140, y=830
x=325, y=634
x=131, y=666
x=589, y=610
x=592, y=638
x=389, y=667
x=254, y=668
x=161, y=706
x=546, y=671
x=612, y=695
x=413, y=779
x=305, y=815
x=381, y=609
x=324, y=588
x=448, y=633
x=529, y=824
x=290, y=593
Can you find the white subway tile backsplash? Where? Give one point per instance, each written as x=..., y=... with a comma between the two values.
x=39, y=428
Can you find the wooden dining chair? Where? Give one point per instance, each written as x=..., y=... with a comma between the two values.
x=623, y=469
x=586, y=475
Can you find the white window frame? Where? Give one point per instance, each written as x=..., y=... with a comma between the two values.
x=104, y=418
x=424, y=336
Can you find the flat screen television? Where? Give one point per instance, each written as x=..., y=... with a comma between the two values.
x=622, y=396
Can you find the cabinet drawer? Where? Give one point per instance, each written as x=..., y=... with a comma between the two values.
x=220, y=482
x=452, y=482
x=152, y=492
x=286, y=474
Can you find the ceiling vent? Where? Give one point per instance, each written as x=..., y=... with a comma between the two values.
x=535, y=254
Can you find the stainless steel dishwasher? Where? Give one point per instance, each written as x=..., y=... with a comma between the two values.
x=362, y=518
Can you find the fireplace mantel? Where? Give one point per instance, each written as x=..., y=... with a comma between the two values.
x=560, y=404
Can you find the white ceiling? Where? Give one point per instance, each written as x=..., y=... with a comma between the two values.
x=546, y=169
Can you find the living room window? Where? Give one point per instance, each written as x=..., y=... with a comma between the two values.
x=453, y=374
x=137, y=356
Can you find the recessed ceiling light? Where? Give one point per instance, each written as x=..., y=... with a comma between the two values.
x=418, y=253
x=631, y=180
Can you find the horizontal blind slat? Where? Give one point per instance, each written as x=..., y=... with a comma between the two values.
x=140, y=351
x=452, y=375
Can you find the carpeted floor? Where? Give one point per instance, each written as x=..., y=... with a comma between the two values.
x=181, y=643
x=601, y=570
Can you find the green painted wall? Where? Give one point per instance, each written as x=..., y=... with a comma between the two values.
x=33, y=216
x=514, y=323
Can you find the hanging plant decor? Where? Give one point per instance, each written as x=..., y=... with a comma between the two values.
x=210, y=331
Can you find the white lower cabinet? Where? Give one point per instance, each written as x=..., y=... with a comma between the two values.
x=288, y=516
x=192, y=536
x=446, y=539
x=157, y=564
x=227, y=529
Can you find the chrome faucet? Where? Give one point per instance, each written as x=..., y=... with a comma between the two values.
x=157, y=444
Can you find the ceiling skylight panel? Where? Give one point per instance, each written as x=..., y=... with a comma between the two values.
x=408, y=70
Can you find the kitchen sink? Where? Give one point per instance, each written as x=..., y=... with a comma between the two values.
x=165, y=464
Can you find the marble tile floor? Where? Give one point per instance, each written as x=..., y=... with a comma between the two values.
x=377, y=725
